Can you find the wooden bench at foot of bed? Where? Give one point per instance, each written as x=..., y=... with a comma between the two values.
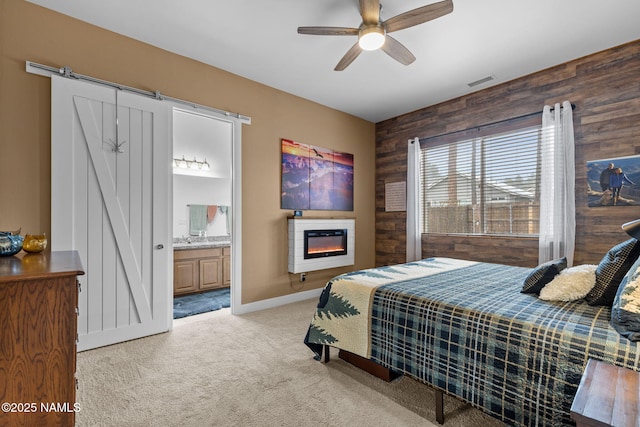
x=384, y=374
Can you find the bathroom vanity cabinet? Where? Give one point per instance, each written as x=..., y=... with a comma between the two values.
x=201, y=269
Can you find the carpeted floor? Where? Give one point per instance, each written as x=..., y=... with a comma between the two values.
x=188, y=305
x=217, y=369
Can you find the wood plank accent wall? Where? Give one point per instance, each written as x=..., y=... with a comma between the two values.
x=605, y=87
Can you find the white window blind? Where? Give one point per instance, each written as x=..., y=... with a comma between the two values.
x=484, y=181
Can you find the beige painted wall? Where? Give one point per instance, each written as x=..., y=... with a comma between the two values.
x=32, y=33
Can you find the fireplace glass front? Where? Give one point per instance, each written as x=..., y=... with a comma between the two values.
x=325, y=243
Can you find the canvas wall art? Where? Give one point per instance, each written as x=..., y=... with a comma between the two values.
x=315, y=178
x=613, y=182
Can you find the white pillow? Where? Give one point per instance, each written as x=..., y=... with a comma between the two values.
x=571, y=284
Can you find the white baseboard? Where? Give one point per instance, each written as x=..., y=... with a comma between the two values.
x=276, y=302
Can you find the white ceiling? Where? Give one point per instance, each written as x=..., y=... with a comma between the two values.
x=258, y=39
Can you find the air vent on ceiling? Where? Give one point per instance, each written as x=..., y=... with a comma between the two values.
x=479, y=82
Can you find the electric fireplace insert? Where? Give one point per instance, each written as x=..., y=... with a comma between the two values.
x=325, y=243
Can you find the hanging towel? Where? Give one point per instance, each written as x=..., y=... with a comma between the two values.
x=225, y=210
x=197, y=219
x=211, y=213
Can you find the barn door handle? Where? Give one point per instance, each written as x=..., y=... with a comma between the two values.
x=160, y=246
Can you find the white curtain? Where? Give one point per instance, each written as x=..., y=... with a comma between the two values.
x=557, y=186
x=414, y=240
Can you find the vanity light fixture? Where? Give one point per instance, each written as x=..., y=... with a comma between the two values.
x=191, y=164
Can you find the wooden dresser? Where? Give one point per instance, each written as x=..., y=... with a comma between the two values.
x=38, y=332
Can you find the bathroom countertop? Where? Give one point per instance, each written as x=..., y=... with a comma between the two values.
x=201, y=245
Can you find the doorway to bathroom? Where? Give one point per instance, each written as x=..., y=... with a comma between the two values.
x=202, y=219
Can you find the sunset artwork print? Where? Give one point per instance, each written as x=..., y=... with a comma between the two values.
x=316, y=178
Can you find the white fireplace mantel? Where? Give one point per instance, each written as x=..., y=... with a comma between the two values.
x=297, y=227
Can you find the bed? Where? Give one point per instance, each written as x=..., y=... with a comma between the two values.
x=465, y=328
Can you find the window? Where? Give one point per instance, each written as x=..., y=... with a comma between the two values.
x=482, y=181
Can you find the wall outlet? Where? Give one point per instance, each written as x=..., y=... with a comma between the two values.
x=303, y=277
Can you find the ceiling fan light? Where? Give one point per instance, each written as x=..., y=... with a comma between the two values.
x=371, y=38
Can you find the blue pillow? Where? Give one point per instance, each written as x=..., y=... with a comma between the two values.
x=611, y=271
x=625, y=312
x=543, y=274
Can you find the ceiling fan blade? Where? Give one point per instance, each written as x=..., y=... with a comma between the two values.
x=328, y=31
x=370, y=11
x=397, y=51
x=349, y=57
x=418, y=16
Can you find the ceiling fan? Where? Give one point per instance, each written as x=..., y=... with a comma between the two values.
x=374, y=34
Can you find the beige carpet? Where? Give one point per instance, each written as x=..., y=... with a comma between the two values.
x=251, y=370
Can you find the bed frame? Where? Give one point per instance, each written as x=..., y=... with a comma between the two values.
x=384, y=374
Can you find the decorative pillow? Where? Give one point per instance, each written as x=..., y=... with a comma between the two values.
x=543, y=274
x=571, y=284
x=625, y=312
x=611, y=271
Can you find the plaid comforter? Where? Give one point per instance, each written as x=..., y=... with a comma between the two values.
x=470, y=332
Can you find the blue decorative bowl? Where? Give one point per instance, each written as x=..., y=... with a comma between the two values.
x=10, y=244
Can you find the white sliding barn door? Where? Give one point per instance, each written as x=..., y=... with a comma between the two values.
x=110, y=201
